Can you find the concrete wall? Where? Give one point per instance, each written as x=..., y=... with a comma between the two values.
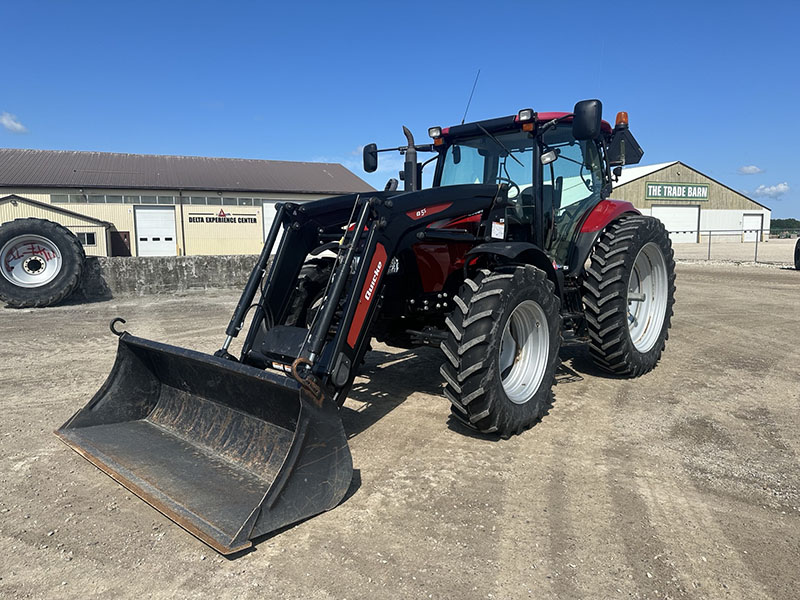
x=105, y=277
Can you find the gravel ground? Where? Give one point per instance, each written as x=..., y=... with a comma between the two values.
x=683, y=483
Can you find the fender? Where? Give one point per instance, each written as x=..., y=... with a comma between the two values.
x=593, y=225
x=522, y=252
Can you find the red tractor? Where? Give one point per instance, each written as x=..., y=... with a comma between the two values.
x=515, y=243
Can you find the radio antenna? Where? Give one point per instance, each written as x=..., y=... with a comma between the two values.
x=478, y=74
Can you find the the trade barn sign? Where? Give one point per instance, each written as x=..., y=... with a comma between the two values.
x=658, y=190
x=222, y=217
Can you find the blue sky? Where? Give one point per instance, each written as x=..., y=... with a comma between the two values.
x=714, y=85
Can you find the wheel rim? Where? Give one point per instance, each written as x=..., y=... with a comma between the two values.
x=523, y=352
x=647, y=297
x=30, y=261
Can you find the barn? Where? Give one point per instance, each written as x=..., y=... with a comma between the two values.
x=692, y=205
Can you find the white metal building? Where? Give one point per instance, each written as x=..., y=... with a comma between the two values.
x=692, y=205
x=148, y=205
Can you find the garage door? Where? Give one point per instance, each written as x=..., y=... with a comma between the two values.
x=155, y=230
x=682, y=222
x=751, y=226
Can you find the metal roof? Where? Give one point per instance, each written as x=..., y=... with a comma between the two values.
x=72, y=169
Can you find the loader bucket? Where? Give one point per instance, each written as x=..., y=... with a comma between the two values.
x=227, y=451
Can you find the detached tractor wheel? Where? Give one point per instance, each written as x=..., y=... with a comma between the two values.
x=797, y=255
x=308, y=296
x=628, y=295
x=502, y=350
x=41, y=263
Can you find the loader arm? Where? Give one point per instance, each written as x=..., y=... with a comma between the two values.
x=384, y=224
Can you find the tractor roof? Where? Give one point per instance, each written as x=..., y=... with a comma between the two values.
x=503, y=123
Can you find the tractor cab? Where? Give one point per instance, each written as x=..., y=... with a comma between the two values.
x=555, y=168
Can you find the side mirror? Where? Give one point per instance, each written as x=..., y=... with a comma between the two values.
x=588, y=116
x=623, y=148
x=456, y=154
x=371, y=158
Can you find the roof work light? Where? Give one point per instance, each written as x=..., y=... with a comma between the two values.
x=526, y=114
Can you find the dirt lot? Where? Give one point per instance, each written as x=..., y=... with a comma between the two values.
x=682, y=484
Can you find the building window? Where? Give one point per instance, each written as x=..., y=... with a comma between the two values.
x=166, y=200
x=148, y=199
x=87, y=239
x=197, y=200
x=77, y=198
x=215, y=200
x=258, y=201
x=97, y=199
x=229, y=201
x=114, y=199
x=245, y=202
x=59, y=198
x=131, y=199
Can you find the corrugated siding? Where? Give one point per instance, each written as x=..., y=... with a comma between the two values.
x=10, y=211
x=719, y=196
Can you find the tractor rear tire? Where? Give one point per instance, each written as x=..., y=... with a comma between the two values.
x=41, y=263
x=311, y=283
x=502, y=350
x=628, y=295
x=797, y=255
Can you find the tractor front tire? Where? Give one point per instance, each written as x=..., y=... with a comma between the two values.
x=41, y=263
x=628, y=295
x=502, y=349
x=797, y=255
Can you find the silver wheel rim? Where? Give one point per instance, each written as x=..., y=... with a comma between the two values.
x=30, y=261
x=523, y=352
x=647, y=297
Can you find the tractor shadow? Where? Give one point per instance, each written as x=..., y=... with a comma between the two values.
x=576, y=362
x=385, y=381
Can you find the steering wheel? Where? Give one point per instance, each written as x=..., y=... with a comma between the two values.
x=511, y=186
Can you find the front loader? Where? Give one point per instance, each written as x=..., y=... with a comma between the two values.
x=515, y=243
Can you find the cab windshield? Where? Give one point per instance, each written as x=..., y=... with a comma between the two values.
x=483, y=160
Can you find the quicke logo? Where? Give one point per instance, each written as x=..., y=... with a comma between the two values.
x=375, y=274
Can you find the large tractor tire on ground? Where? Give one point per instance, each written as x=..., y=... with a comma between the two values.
x=41, y=263
x=797, y=255
x=628, y=294
x=502, y=350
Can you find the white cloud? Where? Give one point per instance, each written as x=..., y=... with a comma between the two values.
x=749, y=170
x=11, y=123
x=772, y=191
